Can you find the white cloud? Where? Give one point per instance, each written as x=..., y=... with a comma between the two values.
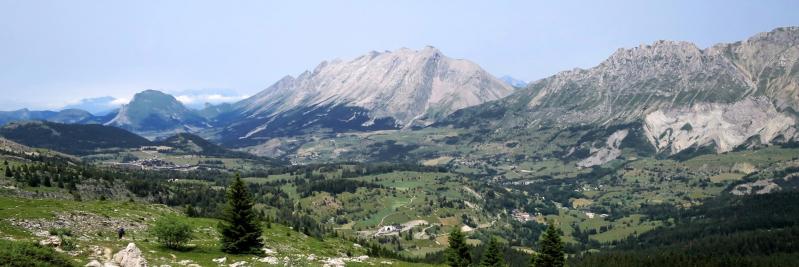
x=120, y=101
x=197, y=98
x=187, y=100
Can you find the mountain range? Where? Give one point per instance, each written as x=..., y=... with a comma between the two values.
x=377, y=91
x=674, y=95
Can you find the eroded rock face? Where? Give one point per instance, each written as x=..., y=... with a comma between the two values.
x=609, y=152
x=130, y=256
x=725, y=125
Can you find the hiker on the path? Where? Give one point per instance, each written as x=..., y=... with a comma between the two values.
x=121, y=232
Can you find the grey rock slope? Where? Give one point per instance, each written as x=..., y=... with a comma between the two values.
x=683, y=96
x=393, y=89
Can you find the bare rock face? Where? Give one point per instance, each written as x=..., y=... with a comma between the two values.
x=609, y=152
x=725, y=125
x=130, y=256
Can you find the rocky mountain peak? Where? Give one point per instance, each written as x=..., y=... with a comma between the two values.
x=411, y=87
x=662, y=52
x=153, y=113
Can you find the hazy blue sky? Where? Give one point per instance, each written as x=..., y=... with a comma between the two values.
x=55, y=52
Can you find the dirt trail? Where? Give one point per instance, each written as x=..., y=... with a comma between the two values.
x=384, y=217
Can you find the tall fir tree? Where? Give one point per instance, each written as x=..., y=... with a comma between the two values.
x=241, y=232
x=492, y=257
x=33, y=180
x=552, y=254
x=458, y=253
x=191, y=211
x=47, y=181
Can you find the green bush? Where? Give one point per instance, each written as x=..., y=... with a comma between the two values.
x=171, y=232
x=15, y=253
x=61, y=232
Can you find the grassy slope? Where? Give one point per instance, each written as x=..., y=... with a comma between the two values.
x=204, y=248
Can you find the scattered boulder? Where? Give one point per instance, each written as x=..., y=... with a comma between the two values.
x=81, y=223
x=51, y=241
x=94, y=263
x=220, y=260
x=270, y=260
x=333, y=262
x=130, y=256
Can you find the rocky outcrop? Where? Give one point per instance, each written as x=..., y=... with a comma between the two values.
x=130, y=256
x=80, y=223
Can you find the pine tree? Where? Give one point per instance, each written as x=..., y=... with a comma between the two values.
x=33, y=180
x=492, y=257
x=8, y=169
x=190, y=211
x=552, y=254
x=241, y=232
x=458, y=254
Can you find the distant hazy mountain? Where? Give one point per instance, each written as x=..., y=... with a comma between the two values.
x=152, y=113
x=71, y=138
x=64, y=116
x=98, y=106
x=389, y=90
x=681, y=96
x=513, y=81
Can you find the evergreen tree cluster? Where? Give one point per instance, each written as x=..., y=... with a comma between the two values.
x=494, y=254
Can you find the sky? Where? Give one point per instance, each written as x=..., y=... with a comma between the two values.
x=55, y=53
